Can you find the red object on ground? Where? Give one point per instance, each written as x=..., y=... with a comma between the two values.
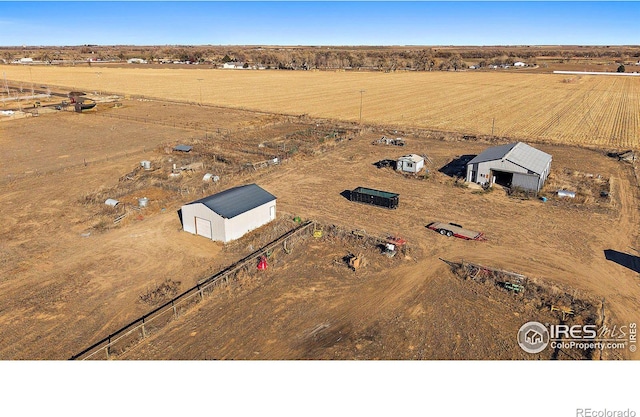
x=396, y=240
x=262, y=265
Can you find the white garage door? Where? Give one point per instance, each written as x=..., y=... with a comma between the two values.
x=203, y=227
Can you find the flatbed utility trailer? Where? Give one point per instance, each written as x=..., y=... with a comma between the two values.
x=453, y=229
x=374, y=197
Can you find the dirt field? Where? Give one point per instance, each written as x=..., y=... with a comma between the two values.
x=586, y=110
x=310, y=306
x=70, y=276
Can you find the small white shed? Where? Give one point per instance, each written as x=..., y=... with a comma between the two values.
x=230, y=214
x=410, y=163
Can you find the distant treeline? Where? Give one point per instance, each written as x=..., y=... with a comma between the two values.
x=296, y=58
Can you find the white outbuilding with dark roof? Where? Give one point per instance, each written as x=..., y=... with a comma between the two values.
x=513, y=165
x=230, y=214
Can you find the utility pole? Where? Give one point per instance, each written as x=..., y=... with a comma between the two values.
x=98, y=75
x=200, y=84
x=361, y=92
x=6, y=86
x=493, y=124
x=31, y=76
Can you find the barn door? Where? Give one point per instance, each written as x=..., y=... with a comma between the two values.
x=203, y=228
x=272, y=212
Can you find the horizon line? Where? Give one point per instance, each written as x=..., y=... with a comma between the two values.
x=328, y=45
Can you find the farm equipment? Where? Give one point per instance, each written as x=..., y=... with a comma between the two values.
x=317, y=231
x=389, y=249
x=388, y=141
x=392, y=245
x=564, y=310
x=262, y=264
x=83, y=104
x=355, y=261
x=385, y=163
x=374, y=197
x=453, y=229
x=359, y=233
x=517, y=288
x=627, y=156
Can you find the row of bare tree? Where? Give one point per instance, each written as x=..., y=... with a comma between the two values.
x=379, y=58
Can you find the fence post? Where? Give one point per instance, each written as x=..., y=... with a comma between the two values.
x=144, y=333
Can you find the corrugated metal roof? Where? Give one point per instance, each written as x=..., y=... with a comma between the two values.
x=519, y=153
x=491, y=154
x=530, y=158
x=238, y=200
x=183, y=148
x=411, y=157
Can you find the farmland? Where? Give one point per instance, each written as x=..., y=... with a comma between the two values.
x=71, y=275
x=582, y=110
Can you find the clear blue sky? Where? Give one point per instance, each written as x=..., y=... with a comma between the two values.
x=319, y=23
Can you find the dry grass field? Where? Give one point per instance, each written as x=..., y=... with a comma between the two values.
x=594, y=111
x=71, y=276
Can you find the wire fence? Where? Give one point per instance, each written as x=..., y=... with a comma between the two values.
x=121, y=340
x=174, y=124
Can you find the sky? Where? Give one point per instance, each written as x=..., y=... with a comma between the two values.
x=52, y=23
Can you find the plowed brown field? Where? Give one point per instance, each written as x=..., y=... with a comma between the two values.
x=583, y=110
